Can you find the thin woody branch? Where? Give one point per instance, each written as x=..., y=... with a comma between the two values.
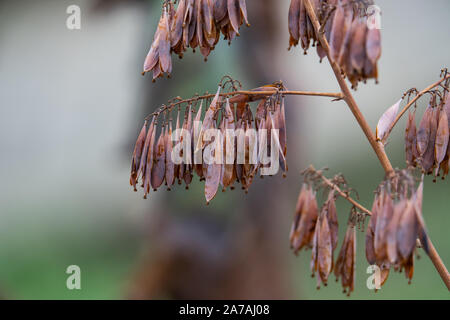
x=410, y=103
x=348, y=97
x=341, y=193
x=178, y=101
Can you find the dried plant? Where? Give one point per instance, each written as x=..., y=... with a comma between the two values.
x=340, y=31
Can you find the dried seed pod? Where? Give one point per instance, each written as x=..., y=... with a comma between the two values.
x=428, y=157
x=386, y=121
x=423, y=134
x=308, y=217
x=170, y=167
x=383, y=218
x=373, y=45
x=150, y=162
x=213, y=172
x=229, y=145
x=337, y=32
x=220, y=10
x=345, y=264
x=176, y=30
x=137, y=154
x=411, y=140
x=198, y=167
x=148, y=138
x=208, y=119
x=332, y=219
x=325, y=250
x=358, y=47
x=392, y=229
x=371, y=227
x=407, y=232
x=442, y=137
x=294, y=22
x=158, y=170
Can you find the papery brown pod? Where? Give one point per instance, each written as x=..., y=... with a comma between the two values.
x=229, y=147
x=314, y=253
x=423, y=133
x=345, y=264
x=158, y=170
x=370, y=233
x=358, y=47
x=391, y=231
x=373, y=45
x=344, y=52
x=429, y=156
x=148, y=138
x=301, y=201
x=383, y=218
x=208, y=119
x=294, y=22
x=213, y=172
x=220, y=10
x=170, y=167
x=137, y=154
x=187, y=177
x=305, y=231
x=198, y=167
x=411, y=140
x=442, y=137
x=164, y=46
x=325, y=250
x=386, y=120
x=332, y=219
x=150, y=162
x=176, y=30
x=337, y=32
x=407, y=232
x=445, y=162
x=422, y=232
x=303, y=27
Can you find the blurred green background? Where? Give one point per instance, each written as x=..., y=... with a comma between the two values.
x=73, y=101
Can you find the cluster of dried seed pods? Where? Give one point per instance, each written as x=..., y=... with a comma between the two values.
x=395, y=225
x=428, y=145
x=230, y=145
x=193, y=23
x=318, y=230
x=354, y=46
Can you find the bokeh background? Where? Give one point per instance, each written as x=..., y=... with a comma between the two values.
x=72, y=103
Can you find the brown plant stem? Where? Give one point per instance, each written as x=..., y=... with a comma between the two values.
x=348, y=97
x=341, y=193
x=417, y=97
x=377, y=147
x=177, y=101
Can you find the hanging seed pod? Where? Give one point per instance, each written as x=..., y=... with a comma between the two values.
x=386, y=121
x=137, y=154
x=442, y=137
x=371, y=227
x=143, y=166
x=358, y=48
x=391, y=231
x=187, y=177
x=301, y=201
x=158, y=170
x=170, y=167
x=373, y=52
x=383, y=218
x=294, y=22
x=407, y=232
x=198, y=167
x=305, y=231
x=150, y=162
x=213, y=172
x=337, y=32
x=208, y=119
x=429, y=155
x=423, y=134
x=176, y=30
x=411, y=140
x=325, y=250
x=332, y=219
x=344, y=52
x=229, y=141
x=345, y=264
